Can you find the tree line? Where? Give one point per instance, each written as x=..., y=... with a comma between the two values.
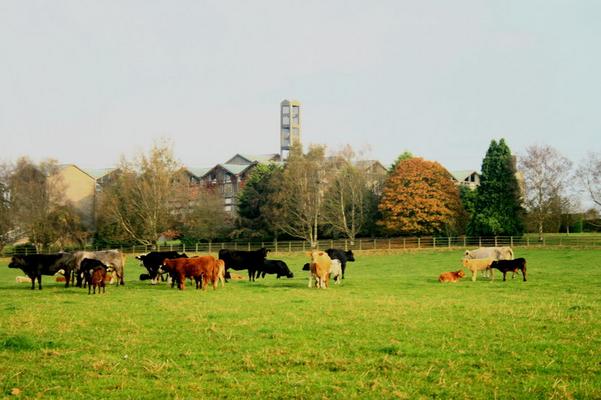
x=311, y=196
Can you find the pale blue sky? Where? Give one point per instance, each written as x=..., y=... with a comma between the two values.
x=85, y=82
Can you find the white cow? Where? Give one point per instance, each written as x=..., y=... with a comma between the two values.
x=496, y=253
x=111, y=258
x=336, y=271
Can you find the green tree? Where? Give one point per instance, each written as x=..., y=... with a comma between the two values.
x=498, y=209
x=420, y=198
x=402, y=157
x=252, y=201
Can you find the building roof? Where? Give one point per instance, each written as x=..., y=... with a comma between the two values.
x=98, y=173
x=250, y=158
x=462, y=175
x=198, y=171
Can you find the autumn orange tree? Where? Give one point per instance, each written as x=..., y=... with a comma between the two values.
x=420, y=198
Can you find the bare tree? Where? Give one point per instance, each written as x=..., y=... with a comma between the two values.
x=6, y=225
x=546, y=179
x=296, y=205
x=37, y=206
x=142, y=201
x=349, y=198
x=589, y=174
x=206, y=218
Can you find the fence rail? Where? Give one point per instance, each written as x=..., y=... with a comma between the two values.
x=399, y=243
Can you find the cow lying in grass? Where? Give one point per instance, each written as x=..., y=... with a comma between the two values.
x=510, y=265
x=452, y=276
x=477, y=264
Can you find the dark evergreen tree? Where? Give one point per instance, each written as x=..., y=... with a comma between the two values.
x=252, y=200
x=497, y=209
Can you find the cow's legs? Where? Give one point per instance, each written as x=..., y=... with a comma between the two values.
x=504, y=275
x=474, y=275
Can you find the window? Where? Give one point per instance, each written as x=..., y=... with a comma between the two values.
x=285, y=110
x=285, y=120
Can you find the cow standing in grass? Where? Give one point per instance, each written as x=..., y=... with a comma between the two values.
x=111, y=258
x=341, y=255
x=36, y=265
x=240, y=259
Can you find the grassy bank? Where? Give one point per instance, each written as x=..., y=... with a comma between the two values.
x=390, y=331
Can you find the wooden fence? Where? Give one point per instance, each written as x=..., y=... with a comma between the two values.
x=399, y=243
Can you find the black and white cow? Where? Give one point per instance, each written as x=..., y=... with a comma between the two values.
x=277, y=267
x=36, y=265
x=240, y=259
x=153, y=261
x=341, y=255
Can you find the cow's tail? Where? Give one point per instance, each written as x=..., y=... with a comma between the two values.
x=510, y=253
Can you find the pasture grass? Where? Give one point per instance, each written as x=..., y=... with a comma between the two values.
x=389, y=331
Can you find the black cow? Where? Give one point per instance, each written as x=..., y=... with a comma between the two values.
x=341, y=255
x=277, y=267
x=510, y=265
x=307, y=267
x=153, y=261
x=36, y=265
x=240, y=259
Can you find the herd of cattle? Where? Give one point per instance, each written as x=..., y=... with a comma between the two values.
x=91, y=268
x=486, y=259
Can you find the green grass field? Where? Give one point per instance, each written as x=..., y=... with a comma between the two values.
x=390, y=331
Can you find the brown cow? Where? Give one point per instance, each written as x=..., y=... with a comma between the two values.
x=452, y=276
x=203, y=269
x=320, y=266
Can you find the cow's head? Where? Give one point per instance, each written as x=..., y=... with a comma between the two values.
x=16, y=262
x=141, y=257
x=263, y=251
x=307, y=267
x=349, y=255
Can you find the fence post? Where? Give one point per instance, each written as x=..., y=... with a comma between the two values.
x=183, y=247
x=389, y=244
x=375, y=246
x=331, y=244
x=248, y=246
x=496, y=245
x=404, y=242
x=449, y=239
x=419, y=242
x=289, y=246
x=479, y=241
x=511, y=241
x=464, y=241
x=544, y=242
x=345, y=245
x=304, y=245
x=275, y=242
x=360, y=244
x=434, y=242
